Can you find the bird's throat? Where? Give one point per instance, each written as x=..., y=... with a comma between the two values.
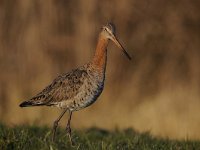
x=100, y=57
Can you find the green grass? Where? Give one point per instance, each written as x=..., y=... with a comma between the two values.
x=35, y=138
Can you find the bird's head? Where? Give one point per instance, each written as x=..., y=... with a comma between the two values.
x=108, y=32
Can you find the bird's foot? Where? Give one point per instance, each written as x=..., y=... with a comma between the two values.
x=68, y=130
x=55, y=125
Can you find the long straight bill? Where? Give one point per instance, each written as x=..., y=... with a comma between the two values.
x=114, y=39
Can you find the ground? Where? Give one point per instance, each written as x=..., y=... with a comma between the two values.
x=34, y=138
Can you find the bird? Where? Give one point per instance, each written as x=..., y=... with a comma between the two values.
x=80, y=87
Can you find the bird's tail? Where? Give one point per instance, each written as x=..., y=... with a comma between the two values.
x=37, y=100
x=25, y=104
x=29, y=103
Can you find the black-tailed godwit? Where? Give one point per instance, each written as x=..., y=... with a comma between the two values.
x=82, y=86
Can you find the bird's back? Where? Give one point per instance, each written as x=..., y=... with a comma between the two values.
x=74, y=90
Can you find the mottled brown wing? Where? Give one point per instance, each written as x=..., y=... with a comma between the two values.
x=64, y=87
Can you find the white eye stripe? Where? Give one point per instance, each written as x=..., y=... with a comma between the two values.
x=108, y=31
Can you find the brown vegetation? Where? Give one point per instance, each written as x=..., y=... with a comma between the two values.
x=159, y=91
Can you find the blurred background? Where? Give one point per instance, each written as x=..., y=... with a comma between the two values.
x=158, y=91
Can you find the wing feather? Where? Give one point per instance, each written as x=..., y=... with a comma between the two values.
x=64, y=87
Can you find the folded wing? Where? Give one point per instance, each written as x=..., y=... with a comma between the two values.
x=64, y=87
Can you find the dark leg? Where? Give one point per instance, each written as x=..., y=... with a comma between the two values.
x=55, y=125
x=68, y=129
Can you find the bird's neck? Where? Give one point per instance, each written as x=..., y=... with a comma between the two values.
x=100, y=57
